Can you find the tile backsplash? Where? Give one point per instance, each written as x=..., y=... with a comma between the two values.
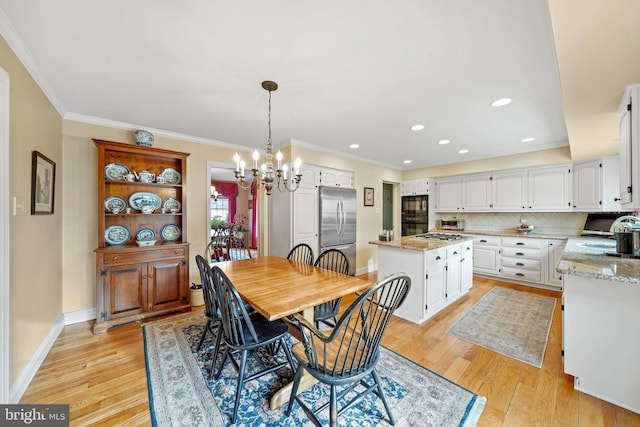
x=569, y=223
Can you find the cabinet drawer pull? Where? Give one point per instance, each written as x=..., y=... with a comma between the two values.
x=519, y=264
x=520, y=274
x=483, y=241
x=455, y=252
x=519, y=243
x=520, y=253
x=438, y=257
x=115, y=258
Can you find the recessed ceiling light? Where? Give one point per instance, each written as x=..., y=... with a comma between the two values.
x=501, y=102
x=463, y=151
x=354, y=146
x=406, y=162
x=528, y=139
x=444, y=141
x=417, y=127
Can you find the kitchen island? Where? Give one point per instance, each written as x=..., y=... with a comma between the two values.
x=441, y=271
x=601, y=321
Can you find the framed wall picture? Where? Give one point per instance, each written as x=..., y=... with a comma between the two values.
x=368, y=196
x=43, y=179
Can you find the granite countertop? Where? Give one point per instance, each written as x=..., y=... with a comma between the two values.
x=587, y=256
x=417, y=243
x=509, y=233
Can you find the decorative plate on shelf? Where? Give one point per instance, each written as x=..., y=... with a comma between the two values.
x=115, y=204
x=142, y=198
x=171, y=176
x=116, y=234
x=146, y=234
x=171, y=204
x=115, y=171
x=170, y=233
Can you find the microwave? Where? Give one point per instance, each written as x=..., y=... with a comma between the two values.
x=450, y=224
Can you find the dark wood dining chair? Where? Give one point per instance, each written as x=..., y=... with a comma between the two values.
x=244, y=333
x=301, y=253
x=334, y=260
x=211, y=310
x=348, y=355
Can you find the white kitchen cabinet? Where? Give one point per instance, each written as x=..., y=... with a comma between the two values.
x=549, y=188
x=553, y=255
x=438, y=277
x=476, y=192
x=629, y=147
x=521, y=259
x=596, y=185
x=510, y=190
x=486, y=255
x=336, y=178
x=415, y=187
x=448, y=194
x=602, y=338
x=310, y=176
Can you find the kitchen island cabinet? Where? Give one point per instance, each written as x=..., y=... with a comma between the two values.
x=440, y=272
x=601, y=322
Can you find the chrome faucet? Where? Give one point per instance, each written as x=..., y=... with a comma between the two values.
x=624, y=221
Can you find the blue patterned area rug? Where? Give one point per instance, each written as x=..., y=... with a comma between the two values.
x=181, y=393
x=513, y=323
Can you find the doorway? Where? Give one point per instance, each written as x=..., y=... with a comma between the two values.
x=4, y=238
x=387, y=206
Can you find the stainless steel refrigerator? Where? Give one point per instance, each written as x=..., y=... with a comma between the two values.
x=338, y=221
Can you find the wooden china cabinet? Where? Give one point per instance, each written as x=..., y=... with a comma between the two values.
x=135, y=282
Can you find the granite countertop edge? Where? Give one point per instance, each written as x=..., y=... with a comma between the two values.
x=418, y=244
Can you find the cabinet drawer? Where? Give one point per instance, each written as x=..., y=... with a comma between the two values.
x=521, y=274
x=528, y=263
x=487, y=240
x=520, y=252
x=437, y=255
x=142, y=256
x=454, y=251
x=523, y=242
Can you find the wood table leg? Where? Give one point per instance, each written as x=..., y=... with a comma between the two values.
x=306, y=382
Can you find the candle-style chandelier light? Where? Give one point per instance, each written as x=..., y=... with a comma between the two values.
x=266, y=177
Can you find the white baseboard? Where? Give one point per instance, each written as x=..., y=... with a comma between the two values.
x=79, y=316
x=24, y=379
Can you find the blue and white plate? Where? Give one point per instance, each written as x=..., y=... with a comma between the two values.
x=116, y=234
x=171, y=176
x=115, y=171
x=146, y=234
x=115, y=204
x=142, y=198
x=170, y=204
x=170, y=233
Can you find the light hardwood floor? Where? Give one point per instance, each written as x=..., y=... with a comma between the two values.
x=103, y=377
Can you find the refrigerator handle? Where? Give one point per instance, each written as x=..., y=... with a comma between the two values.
x=338, y=217
x=343, y=218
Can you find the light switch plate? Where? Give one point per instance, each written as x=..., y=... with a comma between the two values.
x=18, y=205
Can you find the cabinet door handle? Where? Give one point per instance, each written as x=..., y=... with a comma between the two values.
x=455, y=252
x=115, y=258
x=519, y=253
x=438, y=258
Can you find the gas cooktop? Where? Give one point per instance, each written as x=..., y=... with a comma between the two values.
x=439, y=236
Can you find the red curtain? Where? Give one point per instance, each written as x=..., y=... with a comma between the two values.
x=230, y=191
x=254, y=203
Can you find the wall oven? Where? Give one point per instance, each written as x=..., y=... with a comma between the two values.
x=415, y=215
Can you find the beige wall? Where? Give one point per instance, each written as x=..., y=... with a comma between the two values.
x=536, y=158
x=35, y=282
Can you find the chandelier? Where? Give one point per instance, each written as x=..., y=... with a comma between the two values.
x=266, y=177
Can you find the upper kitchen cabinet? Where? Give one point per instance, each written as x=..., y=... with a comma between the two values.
x=336, y=178
x=510, y=190
x=477, y=192
x=596, y=185
x=448, y=194
x=629, y=148
x=415, y=187
x=549, y=188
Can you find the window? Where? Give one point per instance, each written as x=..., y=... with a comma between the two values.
x=219, y=211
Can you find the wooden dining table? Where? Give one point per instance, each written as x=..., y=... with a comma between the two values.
x=277, y=287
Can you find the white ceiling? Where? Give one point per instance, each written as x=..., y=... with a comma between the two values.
x=349, y=72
